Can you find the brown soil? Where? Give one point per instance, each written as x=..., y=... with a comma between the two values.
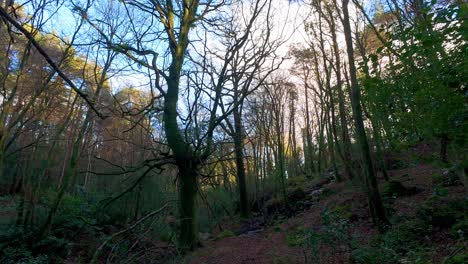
x=270, y=245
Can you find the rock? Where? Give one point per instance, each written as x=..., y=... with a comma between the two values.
x=254, y=232
x=396, y=189
x=204, y=236
x=297, y=194
x=316, y=193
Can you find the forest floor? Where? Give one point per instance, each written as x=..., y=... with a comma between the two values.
x=330, y=223
x=283, y=243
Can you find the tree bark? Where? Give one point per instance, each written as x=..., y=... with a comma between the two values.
x=377, y=209
x=341, y=107
x=188, y=188
x=239, y=153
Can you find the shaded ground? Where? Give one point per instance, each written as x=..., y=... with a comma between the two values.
x=270, y=245
x=273, y=240
x=261, y=248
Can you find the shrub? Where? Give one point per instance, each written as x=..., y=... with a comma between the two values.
x=443, y=213
x=278, y=228
x=448, y=178
x=220, y=205
x=459, y=230
x=274, y=204
x=296, y=236
x=402, y=243
x=17, y=246
x=457, y=259
x=21, y=255
x=333, y=233
x=296, y=194
x=374, y=255
x=406, y=237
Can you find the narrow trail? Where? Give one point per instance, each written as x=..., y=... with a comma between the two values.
x=260, y=248
x=268, y=245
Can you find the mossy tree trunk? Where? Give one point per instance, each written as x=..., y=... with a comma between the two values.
x=188, y=188
x=184, y=155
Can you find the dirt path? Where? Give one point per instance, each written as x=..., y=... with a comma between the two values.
x=261, y=248
x=270, y=246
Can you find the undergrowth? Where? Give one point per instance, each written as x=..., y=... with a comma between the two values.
x=408, y=240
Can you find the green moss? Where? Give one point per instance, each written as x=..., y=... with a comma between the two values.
x=296, y=236
x=457, y=259
x=338, y=213
x=298, y=181
x=274, y=203
x=277, y=228
x=296, y=194
x=396, y=189
x=225, y=234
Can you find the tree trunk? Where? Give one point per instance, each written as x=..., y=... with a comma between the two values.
x=308, y=151
x=379, y=149
x=377, y=209
x=341, y=106
x=443, y=148
x=68, y=177
x=188, y=237
x=239, y=153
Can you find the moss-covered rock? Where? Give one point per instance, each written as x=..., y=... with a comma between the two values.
x=296, y=194
x=397, y=189
x=225, y=234
x=274, y=204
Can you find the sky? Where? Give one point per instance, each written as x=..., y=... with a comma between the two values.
x=287, y=16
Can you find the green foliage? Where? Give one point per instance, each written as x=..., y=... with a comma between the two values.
x=406, y=236
x=373, y=255
x=298, y=181
x=457, y=259
x=296, y=193
x=404, y=241
x=274, y=204
x=21, y=255
x=446, y=179
x=420, y=94
x=337, y=213
x=224, y=234
x=17, y=246
x=460, y=229
x=216, y=205
x=396, y=189
x=278, y=228
x=333, y=233
x=409, y=241
x=21, y=243
x=296, y=236
x=444, y=213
